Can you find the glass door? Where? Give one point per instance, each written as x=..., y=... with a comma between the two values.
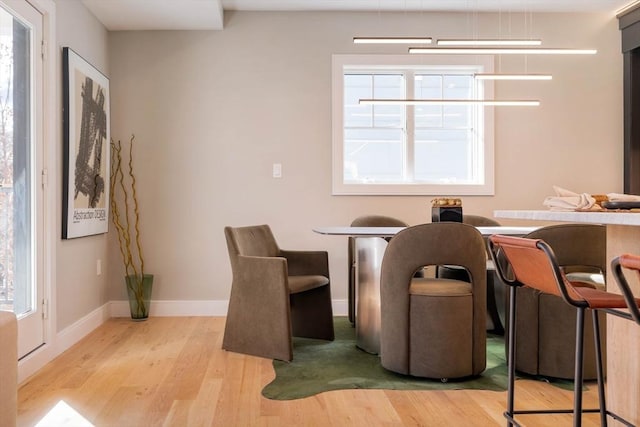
x=21, y=176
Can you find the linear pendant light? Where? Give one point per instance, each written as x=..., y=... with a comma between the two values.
x=512, y=76
x=488, y=42
x=502, y=50
x=392, y=40
x=487, y=102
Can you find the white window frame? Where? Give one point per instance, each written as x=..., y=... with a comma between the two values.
x=342, y=63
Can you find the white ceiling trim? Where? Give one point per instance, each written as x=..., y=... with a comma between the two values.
x=430, y=5
x=122, y=15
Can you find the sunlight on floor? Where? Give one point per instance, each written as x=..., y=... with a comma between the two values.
x=63, y=415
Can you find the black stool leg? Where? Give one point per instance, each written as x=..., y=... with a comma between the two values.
x=511, y=361
x=577, y=384
x=599, y=369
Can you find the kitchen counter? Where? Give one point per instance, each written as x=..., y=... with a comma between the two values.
x=620, y=217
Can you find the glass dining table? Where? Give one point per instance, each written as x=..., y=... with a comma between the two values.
x=370, y=245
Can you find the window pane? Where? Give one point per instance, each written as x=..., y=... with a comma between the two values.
x=457, y=87
x=443, y=156
x=457, y=116
x=388, y=86
x=428, y=116
x=388, y=116
x=443, y=87
x=365, y=86
x=16, y=278
x=356, y=87
x=428, y=86
x=373, y=155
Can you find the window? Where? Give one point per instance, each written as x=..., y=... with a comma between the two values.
x=404, y=149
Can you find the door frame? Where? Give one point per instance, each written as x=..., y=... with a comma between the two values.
x=50, y=133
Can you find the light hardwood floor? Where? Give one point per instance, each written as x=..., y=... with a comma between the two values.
x=173, y=372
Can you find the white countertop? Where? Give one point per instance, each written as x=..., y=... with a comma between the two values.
x=608, y=217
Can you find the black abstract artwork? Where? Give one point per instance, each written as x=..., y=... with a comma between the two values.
x=93, y=132
x=86, y=149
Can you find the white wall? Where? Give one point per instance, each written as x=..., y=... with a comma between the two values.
x=213, y=110
x=79, y=291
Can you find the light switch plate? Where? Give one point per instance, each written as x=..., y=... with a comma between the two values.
x=277, y=170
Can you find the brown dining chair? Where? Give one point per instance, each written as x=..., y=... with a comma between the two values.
x=479, y=221
x=432, y=327
x=495, y=290
x=533, y=264
x=275, y=294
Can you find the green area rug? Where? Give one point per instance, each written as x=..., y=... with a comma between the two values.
x=320, y=366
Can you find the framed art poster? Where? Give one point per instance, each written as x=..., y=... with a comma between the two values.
x=86, y=125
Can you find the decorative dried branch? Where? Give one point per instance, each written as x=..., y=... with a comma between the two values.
x=126, y=221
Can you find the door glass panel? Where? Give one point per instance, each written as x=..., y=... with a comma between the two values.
x=16, y=170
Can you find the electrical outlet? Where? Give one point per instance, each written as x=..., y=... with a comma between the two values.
x=98, y=267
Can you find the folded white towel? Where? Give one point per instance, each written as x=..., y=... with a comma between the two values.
x=617, y=197
x=563, y=192
x=566, y=200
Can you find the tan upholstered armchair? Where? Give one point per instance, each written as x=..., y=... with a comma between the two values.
x=434, y=328
x=275, y=294
x=8, y=369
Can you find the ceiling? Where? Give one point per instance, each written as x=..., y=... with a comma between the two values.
x=118, y=15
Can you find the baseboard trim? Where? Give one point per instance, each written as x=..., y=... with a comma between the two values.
x=174, y=308
x=167, y=308
x=73, y=333
x=340, y=307
x=63, y=340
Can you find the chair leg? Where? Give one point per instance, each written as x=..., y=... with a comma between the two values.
x=577, y=384
x=511, y=361
x=599, y=368
x=492, y=306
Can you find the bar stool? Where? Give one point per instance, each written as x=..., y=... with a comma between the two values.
x=534, y=265
x=630, y=262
